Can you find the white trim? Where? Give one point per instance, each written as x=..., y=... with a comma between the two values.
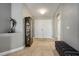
x=42, y=38
x=11, y=51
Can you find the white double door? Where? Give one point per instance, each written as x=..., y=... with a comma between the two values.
x=43, y=28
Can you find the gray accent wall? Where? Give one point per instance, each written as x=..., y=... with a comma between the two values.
x=5, y=43
x=5, y=13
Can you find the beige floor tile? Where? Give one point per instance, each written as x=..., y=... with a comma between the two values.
x=40, y=47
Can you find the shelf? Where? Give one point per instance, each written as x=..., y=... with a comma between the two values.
x=28, y=39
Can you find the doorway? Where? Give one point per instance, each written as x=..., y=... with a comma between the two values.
x=59, y=27
x=43, y=28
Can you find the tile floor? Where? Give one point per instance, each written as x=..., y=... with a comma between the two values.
x=40, y=47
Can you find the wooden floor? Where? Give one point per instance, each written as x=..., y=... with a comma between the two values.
x=40, y=47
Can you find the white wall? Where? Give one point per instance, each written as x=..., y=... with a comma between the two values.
x=12, y=40
x=56, y=19
x=26, y=11
x=70, y=24
x=71, y=20
x=18, y=12
x=43, y=28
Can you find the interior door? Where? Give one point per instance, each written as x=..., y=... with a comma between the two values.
x=43, y=28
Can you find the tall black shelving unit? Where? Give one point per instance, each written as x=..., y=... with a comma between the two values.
x=28, y=32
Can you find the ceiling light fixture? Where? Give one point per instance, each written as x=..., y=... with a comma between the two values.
x=42, y=11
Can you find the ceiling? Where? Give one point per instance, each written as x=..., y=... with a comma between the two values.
x=50, y=7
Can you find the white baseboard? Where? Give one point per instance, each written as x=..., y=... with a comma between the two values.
x=42, y=38
x=11, y=51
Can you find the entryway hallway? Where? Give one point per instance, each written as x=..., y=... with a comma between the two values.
x=40, y=47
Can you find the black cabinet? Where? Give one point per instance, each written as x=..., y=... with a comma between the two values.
x=28, y=31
